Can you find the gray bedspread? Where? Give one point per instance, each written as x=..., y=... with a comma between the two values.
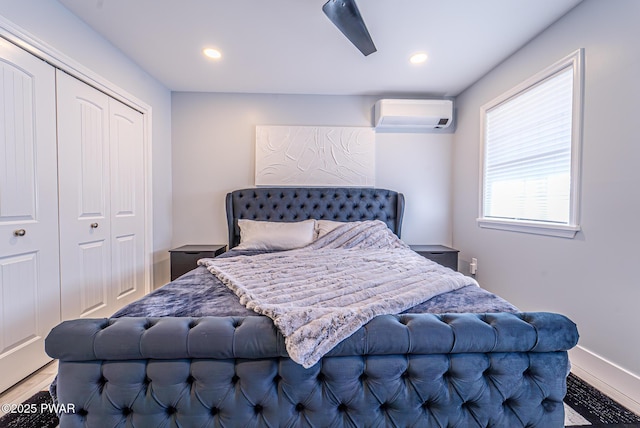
x=320, y=294
x=200, y=294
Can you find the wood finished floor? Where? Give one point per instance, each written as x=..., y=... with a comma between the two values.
x=38, y=381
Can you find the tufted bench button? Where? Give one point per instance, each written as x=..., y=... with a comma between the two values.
x=363, y=377
x=171, y=410
x=102, y=382
x=384, y=406
x=214, y=411
x=258, y=408
x=405, y=375
x=126, y=411
x=82, y=412
x=299, y=407
x=342, y=408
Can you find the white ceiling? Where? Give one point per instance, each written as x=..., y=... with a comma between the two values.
x=290, y=46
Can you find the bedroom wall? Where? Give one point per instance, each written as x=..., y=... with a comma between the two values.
x=52, y=24
x=214, y=152
x=590, y=278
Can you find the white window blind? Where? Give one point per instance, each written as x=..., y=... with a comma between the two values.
x=528, y=153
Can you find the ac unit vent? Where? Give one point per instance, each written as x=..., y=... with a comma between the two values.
x=413, y=114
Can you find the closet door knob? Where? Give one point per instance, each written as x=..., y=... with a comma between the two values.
x=94, y=225
x=19, y=232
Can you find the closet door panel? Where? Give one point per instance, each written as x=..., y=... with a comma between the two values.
x=125, y=266
x=18, y=199
x=127, y=202
x=19, y=285
x=29, y=274
x=83, y=159
x=93, y=159
x=93, y=279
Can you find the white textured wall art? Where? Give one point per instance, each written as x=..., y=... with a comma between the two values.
x=315, y=156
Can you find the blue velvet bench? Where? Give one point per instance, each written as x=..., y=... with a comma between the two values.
x=414, y=370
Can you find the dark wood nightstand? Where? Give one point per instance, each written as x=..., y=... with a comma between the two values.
x=185, y=258
x=438, y=253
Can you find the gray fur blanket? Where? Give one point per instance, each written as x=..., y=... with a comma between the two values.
x=320, y=294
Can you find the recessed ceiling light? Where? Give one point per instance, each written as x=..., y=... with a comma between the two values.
x=418, y=58
x=212, y=53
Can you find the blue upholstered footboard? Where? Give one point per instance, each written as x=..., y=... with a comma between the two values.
x=414, y=370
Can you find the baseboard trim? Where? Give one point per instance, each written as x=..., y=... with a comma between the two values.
x=612, y=380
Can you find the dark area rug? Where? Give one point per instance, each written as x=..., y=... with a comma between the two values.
x=599, y=410
x=32, y=419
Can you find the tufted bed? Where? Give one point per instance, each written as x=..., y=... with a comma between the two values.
x=464, y=358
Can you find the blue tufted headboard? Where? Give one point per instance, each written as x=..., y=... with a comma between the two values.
x=320, y=203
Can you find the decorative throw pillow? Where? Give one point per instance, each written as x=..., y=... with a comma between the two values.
x=269, y=235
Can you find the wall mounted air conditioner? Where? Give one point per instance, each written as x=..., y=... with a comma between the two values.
x=393, y=114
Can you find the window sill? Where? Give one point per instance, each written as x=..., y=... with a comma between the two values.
x=562, y=231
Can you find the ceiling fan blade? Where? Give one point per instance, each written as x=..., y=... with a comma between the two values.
x=345, y=15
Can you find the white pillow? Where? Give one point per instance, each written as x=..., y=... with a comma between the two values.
x=270, y=235
x=325, y=226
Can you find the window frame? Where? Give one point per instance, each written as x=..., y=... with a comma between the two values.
x=566, y=230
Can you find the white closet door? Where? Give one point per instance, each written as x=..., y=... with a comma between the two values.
x=102, y=203
x=127, y=202
x=29, y=275
x=83, y=173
